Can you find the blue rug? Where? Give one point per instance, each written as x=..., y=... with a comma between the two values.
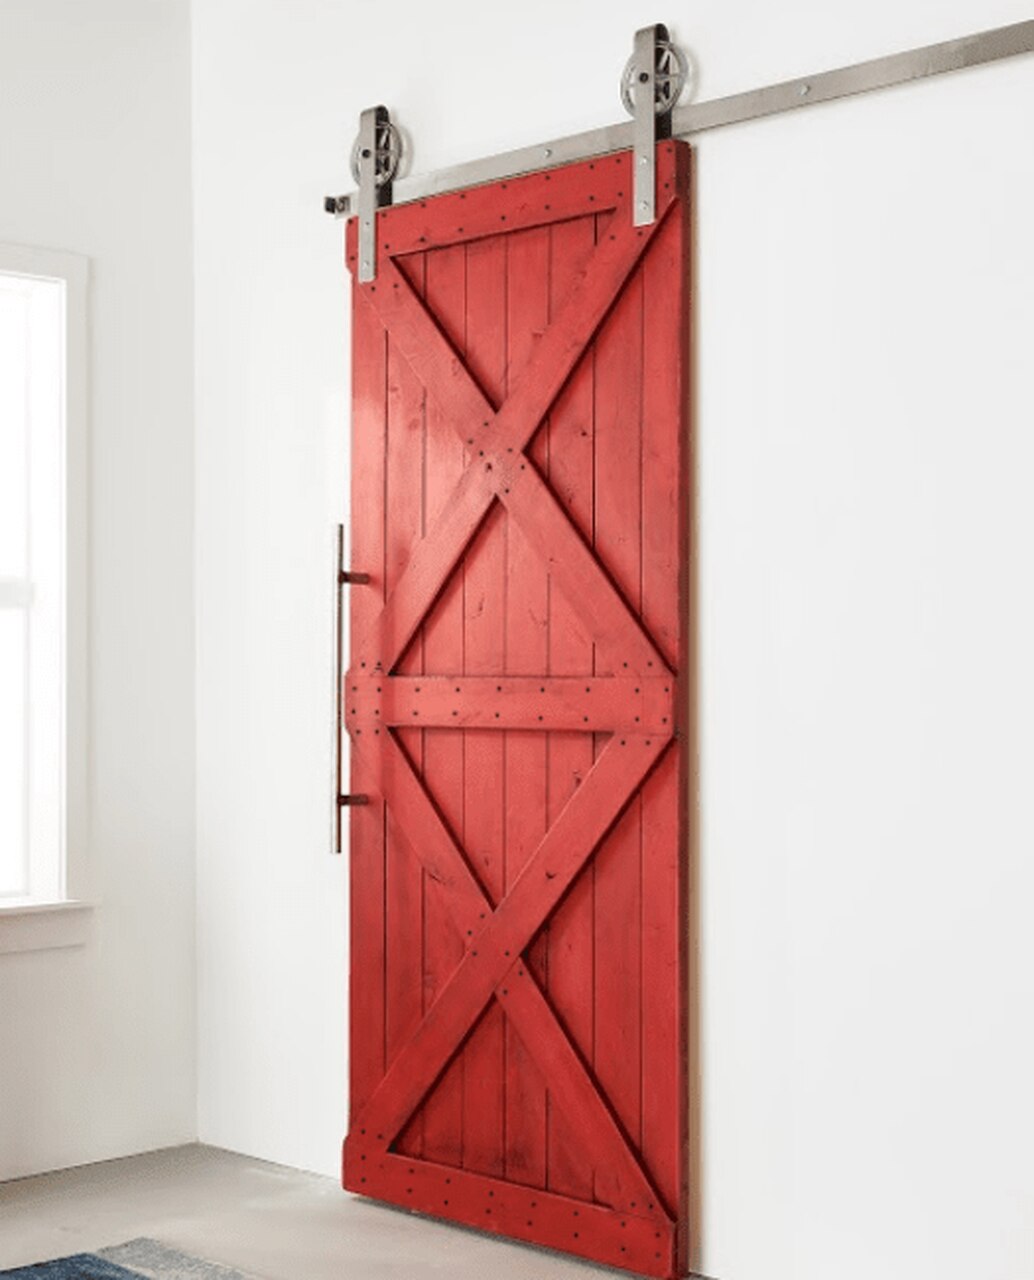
x=83, y=1266
x=136, y=1260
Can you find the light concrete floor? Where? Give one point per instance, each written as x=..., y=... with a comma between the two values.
x=270, y=1222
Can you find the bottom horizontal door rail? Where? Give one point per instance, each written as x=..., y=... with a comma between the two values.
x=645, y=1244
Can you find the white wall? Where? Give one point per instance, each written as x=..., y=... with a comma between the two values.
x=97, y=1043
x=865, y=309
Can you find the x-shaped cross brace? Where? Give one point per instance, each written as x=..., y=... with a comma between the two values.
x=497, y=466
x=494, y=961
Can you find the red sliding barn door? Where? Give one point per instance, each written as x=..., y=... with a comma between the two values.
x=516, y=702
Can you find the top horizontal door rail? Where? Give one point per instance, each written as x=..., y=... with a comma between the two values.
x=790, y=95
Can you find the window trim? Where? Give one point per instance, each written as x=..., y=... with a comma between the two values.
x=31, y=923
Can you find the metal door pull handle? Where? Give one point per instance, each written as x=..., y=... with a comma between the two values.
x=343, y=577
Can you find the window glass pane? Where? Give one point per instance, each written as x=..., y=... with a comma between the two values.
x=13, y=852
x=14, y=318
x=32, y=595
x=46, y=569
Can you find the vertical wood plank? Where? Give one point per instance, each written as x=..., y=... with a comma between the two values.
x=665, y=537
x=446, y=295
x=484, y=641
x=404, y=891
x=619, y=378
x=367, y=822
x=527, y=653
x=570, y=469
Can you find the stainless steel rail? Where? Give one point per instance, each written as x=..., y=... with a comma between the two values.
x=791, y=95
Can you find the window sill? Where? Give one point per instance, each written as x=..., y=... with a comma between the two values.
x=26, y=925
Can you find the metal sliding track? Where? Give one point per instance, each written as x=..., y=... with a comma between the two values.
x=791, y=95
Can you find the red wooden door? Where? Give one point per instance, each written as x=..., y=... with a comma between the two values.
x=517, y=686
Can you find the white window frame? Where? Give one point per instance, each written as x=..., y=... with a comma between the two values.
x=58, y=915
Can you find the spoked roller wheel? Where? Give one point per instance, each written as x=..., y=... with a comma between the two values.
x=671, y=75
x=389, y=154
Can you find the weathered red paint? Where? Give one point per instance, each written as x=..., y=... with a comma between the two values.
x=517, y=703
